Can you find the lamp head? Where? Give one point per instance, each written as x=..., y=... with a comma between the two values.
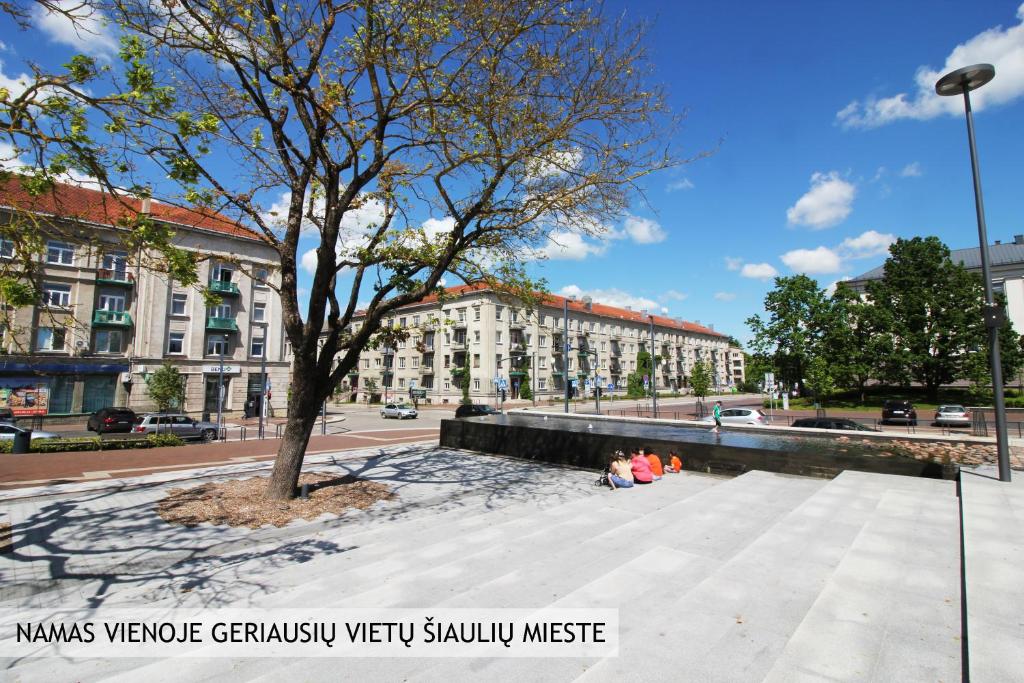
x=965, y=79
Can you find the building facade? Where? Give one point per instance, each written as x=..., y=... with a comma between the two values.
x=106, y=321
x=504, y=345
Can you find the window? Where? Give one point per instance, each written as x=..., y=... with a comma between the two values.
x=476, y=313
x=529, y=339
x=415, y=320
x=603, y=345
x=401, y=382
x=6, y=248
x=216, y=346
x=117, y=263
x=256, y=350
x=592, y=325
x=543, y=362
x=260, y=275
x=401, y=322
x=542, y=383
x=109, y=341
x=58, y=296
x=543, y=319
x=366, y=364
x=497, y=337
x=415, y=362
x=476, y=336
x=447, y=339
x=179, y=301
x=221, y=311
x=497, y=312
x=401, y=362
x=447, y=385
x=111, y=302
x=259, y=312
x=60, y=252
x=447, y=361
x=542, y=341
x=476, y=384
x=176, y=343
x=222, y=273
x=378, y=362
x=462, y=314
x=50, y=338
x=476, y=360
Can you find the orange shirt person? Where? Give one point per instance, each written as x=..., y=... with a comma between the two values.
x=655, y=461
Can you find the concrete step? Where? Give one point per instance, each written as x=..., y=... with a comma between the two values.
x=893, y=603
x=734, y=624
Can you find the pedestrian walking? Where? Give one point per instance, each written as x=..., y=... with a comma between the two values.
x=717, y=414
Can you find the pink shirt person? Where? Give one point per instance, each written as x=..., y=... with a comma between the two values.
x=642, y=473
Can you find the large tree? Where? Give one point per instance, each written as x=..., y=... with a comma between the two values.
x=854, y=339
x=797, y=312
x=356, y=122
x=931, y=310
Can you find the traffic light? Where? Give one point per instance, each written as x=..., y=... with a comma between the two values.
x=503, y=395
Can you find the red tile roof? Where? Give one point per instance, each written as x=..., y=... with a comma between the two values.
x=603, y=310
x=97, y=206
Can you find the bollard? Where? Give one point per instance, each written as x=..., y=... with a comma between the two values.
x=305, y=492
x=22, y=441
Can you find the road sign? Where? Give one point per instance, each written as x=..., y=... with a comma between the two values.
x=503, y=384
x=417, y=393
x=611, y=386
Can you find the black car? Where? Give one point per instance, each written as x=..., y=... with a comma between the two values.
x=6, y=416
x=106, y=420
x=831, y=423
x=475, y=410
x=899, y=411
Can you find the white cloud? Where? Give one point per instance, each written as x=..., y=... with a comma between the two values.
x=828, y=202
x=912, y=170
x=571, y=246
x=1003, y=48
x=831, y=289
x=308, y=261
x=554, y=164
x=435, y=227
x=15, y=85
x=611, y=297
x=673, y=295
x=89, y=32
x=812, y=261
x=733, y=263
x=675, y=185
x=643, y=230
x=724, y=296
x=869, y=244
x=759, y=271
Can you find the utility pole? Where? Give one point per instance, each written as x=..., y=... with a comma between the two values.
x=263, y=378
x=654, y=375
x=565, y=349
x=220, y=388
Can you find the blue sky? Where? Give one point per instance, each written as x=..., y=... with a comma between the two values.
x=832, y=145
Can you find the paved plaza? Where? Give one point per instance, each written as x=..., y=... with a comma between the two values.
x=757, y=577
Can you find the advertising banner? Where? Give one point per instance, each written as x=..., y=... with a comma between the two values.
x=25, y=395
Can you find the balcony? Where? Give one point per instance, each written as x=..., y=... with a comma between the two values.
x=459, y=325
x=387, y=350
x=119, y=278
x=426, y=370
x=224, y=288
x=112, y=318
x=459, y=344
x=517, y=325
x=518, y=350
x=221, y=325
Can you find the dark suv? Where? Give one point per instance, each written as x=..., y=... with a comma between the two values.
x=474, y=410
x=899, y=411
x=107, y=420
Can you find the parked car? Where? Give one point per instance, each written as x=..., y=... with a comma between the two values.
x=952, y=416
x=899, y=411
x=475, y=410
x=740, y=416
x=832, y=423
x=181, y=426
x=107, y=420
x=399, y=410
x=7, y=432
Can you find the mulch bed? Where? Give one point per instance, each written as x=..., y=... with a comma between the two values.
x=243, y=502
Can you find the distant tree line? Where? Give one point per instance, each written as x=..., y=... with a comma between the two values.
x=920, y=323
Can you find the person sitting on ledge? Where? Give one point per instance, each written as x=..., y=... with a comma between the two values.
x=620, y=476
x=675, y=464
x=655, y=462
x=641, y=469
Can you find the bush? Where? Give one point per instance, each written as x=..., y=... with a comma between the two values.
x=93, y=443
x=158, y=440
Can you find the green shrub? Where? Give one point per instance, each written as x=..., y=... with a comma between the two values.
x=157, y=440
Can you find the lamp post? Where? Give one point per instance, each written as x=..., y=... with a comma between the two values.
x=565, y=350
x=263, y=379
x=654, y=370
x=220, y=388
x=963, y=81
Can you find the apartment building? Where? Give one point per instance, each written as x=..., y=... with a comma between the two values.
x=106, y=321
x=500, y=340
x=737, y=366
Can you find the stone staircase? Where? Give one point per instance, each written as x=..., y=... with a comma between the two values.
x=760, y=577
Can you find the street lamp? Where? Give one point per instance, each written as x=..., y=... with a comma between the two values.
x=220, y=387
x=963, y=81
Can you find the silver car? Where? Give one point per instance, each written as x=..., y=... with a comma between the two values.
x=399, y=410
x=8, y=430
x=952, y=416
x=182, y=426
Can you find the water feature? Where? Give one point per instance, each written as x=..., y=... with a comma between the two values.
x=587, y=442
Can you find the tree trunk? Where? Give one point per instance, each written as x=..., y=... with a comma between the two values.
x=302, y=413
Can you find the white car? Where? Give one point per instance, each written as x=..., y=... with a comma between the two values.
x=740, y=416
x=952, y=416
x=399, y=410
x=7, y=432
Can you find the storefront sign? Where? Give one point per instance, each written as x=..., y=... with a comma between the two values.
x=24, y=395
x=228, y=369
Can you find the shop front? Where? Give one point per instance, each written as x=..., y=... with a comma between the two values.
x=31, y=389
